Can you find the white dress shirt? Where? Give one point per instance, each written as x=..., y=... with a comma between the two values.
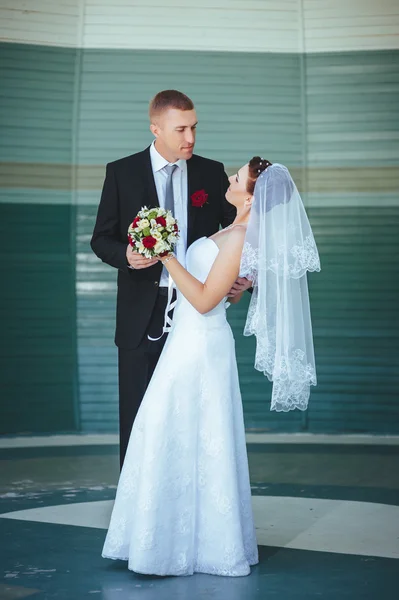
x=180, y=192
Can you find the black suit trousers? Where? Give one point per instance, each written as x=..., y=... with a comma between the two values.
x=135, y=369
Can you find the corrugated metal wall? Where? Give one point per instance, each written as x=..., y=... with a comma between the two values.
x=353, y=185
x=222, y=25
x=38, y=343
x=250, y=26
x=334, y=113
x=337, y=25
x=42, y=22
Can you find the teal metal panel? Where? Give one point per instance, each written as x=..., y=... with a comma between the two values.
x=36, y=103
x=353, y=109
x=96, y=302
x=37, y=228
x=355, y=301
x=37, y=310
x=247, y=103
x=353, y=122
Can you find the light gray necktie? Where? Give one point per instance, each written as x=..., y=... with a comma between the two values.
x=169, y=205
x=169, y=200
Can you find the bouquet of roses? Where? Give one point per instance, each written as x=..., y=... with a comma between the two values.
x=154, y=232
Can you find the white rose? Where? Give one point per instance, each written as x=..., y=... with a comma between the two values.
x=169, y=220
x=160, y=247
x=143, y=224
x=155, y=234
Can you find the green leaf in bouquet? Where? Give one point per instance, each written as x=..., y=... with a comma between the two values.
x=147, y=231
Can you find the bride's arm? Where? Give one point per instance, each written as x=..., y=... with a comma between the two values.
x=224, y=272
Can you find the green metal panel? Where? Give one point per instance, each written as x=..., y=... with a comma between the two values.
x=355, y=301
x=353, y=109
x=353, y=123
x=37, y=228
x=247, y=103
x=36, y=103
x=38, y=356
x=96, y=301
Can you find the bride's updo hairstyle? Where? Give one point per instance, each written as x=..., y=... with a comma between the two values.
x=256, y=166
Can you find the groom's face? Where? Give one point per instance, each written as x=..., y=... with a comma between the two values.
x=175, y=133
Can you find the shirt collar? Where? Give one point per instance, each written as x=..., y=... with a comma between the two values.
x=159, y=162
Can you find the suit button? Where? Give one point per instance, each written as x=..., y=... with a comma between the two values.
x=155, y=282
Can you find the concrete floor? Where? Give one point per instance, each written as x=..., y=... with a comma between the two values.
x=326, y=511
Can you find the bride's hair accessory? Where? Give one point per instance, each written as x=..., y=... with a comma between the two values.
x=279, y=249
x=256, y=166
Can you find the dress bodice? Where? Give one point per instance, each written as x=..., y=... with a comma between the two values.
x=199, y=260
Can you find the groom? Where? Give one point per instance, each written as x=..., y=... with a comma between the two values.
x=166, y=174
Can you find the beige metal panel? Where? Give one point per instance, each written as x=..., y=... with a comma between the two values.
x=338, y=25
x=227, y=25
x=44, y=22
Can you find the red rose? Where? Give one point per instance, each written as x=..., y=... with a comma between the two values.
x=176, y=227
x=161, y=221
x=136, y=220
x=129, y=237
x=149, y=242
x=199, y=198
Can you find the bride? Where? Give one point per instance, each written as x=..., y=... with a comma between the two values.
x=183, y=503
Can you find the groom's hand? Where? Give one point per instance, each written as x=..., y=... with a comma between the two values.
x=239, y=287
x=138, y=261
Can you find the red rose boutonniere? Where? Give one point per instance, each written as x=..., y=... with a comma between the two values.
x=199, y=198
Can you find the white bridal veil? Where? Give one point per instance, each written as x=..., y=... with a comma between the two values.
x=279, y=249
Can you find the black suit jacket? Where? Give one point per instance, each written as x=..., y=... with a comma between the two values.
x=129, y=184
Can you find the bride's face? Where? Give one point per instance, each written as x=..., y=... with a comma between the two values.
x=237, y=193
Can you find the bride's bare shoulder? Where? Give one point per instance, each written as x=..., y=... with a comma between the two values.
x=237, y=234
x=234, y=239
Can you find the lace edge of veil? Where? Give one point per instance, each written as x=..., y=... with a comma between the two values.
x=290, y=375
x=305, y=258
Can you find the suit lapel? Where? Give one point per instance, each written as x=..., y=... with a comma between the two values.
x=194, y=184
x=149, y=181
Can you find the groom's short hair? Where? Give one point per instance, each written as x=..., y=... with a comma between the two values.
x=169, y=99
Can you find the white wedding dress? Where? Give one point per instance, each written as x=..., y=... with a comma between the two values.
x=183, y=503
